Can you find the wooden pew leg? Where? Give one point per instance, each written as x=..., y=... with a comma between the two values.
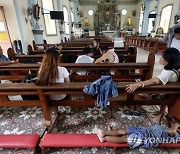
x=43, y=150
x=174, y=109
x=46, y=111
x=4, y=98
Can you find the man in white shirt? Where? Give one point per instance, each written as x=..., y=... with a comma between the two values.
x=176, y=39
x=85, y=58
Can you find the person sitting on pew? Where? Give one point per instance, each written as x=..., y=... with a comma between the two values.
x=145, y=137
x=85, y=58
x=108, y=56
x=50, y=72
x=170, y=34
x=176, y=39
x=171, y=61
x=4, y=60
x=96, y=45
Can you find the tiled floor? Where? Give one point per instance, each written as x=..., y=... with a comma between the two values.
x=142, y=56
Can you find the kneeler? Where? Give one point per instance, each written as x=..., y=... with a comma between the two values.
x=19, y=141
x=83, y=140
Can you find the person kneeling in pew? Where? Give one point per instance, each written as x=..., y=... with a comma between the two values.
x=171, y=61
x=145, y=137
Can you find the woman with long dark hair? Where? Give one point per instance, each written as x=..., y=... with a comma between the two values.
x=51, y=72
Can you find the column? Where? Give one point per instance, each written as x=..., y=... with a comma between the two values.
x=61, y=24
x=145, y=18
x=75, y=6
x=156, y=10
x=70, y=20
x=178, y=11
x=24, y=45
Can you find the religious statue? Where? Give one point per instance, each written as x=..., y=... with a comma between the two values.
x=36, y=10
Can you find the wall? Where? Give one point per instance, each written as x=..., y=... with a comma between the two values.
x=129, y=9
x=174, y=10
x=11, y=19
x=67, y=5
x=85, y=10
x=25, y=29
x=49, y=38
x=162, y=4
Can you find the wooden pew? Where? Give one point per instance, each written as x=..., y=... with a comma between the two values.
x=40, y=46
x=151, y=44
x=129, y=56
x=93, y=68
x=146, y=69
x=13, y=78
x=33, y=58
x=74, y=88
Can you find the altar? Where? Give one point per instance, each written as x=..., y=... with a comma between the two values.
x=109, y=33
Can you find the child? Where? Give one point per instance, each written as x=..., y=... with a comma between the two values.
x=141, y=136
x=171, y=61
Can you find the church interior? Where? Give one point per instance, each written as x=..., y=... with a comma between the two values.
x=98, y=96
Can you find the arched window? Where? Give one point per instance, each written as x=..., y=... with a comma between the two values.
x=151, y=22
x=165, y=17
x=72, y=19
x=66, y=20
x=50, y=25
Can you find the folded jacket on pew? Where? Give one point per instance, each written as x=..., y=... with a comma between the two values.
x=103, y=88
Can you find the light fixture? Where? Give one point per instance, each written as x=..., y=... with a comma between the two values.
x=124, y=12
x=90, y=12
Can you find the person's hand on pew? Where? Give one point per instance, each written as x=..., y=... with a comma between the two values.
x=14, y=61
x=132, y=87
x=59, y=47
x=8, y=62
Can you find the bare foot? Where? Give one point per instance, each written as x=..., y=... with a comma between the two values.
x=101, y=139
x=45, y=123
x=99, y=132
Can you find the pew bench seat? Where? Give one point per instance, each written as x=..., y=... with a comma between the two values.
x=84, y=140
x=19, y=141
